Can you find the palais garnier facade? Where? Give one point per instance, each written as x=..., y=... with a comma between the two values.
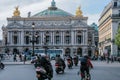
x=54, y=28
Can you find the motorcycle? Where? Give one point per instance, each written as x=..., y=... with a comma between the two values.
x=2, y=66
x=41, y=73
x=69, y=63
x=59, y=68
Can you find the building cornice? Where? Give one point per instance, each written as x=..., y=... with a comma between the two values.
x=48, y=18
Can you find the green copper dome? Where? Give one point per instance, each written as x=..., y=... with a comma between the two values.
x=52, y=11
x=94, y=26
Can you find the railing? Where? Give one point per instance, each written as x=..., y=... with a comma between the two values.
x=115, y=15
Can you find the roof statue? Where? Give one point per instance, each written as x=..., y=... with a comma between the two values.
x=53, y=4
x=79, y=12
x=16, y=12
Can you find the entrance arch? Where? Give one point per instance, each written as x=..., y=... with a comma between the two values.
x=67, y=51
x=79, y=52
x=89, y=52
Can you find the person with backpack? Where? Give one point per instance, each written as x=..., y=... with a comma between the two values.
x=85, y=65
x=60, y=61
x=43, y=62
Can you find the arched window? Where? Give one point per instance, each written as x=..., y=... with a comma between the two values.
x=15, y=39
x=47, y=39
x=67, y=51
x=27, y=40
x=67, y=39
x=79, y=39
x=37, y=39
x=57, y=39
x=79, y=51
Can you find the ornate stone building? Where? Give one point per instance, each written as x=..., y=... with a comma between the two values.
x=108, y=26
x=54, y=27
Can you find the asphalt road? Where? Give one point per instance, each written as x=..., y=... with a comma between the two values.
x=101, y=71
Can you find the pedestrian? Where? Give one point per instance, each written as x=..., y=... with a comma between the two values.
x=24, y=59
x=15, y=58
x=20, y=56
x=111, y=58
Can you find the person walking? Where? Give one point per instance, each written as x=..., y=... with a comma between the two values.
x=15, y=58
x=20, y=57
x=25, y=58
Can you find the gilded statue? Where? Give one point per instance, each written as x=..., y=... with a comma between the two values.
x=78, y=12
x=16, y=12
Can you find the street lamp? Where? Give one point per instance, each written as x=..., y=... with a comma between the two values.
x=45, y=44
x=33, y=41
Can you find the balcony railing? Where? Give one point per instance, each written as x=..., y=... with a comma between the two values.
x=115, y=15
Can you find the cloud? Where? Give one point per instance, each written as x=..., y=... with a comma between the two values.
x=92, y=18
x=90, y=8
x=34, y=6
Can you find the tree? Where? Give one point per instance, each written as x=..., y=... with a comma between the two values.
x=117, y=37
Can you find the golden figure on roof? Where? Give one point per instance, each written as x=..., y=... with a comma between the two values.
x=79, y=12
x=16, y=12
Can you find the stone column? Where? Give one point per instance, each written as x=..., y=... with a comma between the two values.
x=75, y=37
x=53, y=34
x=22, y=37
x=12, y=38
x=41, y=38
x=72, y=37
x=19, y=38
x=83, y=38
x=86, y=37
x=8, y=36
x=93, y=40
x=63, y=37
x=51, y=38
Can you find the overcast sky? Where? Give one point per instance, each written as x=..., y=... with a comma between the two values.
x=91, y=8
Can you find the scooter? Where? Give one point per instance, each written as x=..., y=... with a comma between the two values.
x=59, y=68
x=41, y=73
x=69, y=63
x=75, y=61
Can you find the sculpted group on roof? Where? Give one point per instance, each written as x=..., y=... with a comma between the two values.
x=16, y=12
x=52, y=11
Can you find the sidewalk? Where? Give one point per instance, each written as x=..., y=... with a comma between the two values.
x=105, y=64
x=9, y=60
x=16, y=63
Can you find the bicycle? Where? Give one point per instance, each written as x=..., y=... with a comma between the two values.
x=84, y=76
